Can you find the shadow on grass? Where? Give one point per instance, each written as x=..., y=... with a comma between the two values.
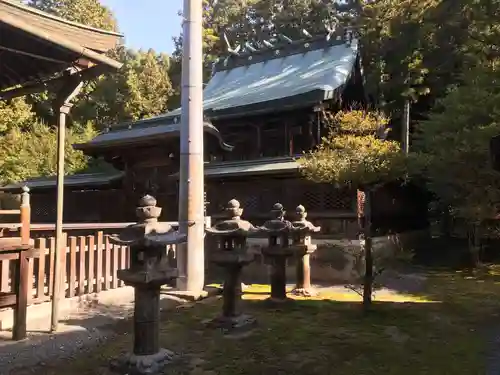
x=96, y=324
x=312, y=337
x=316, y=336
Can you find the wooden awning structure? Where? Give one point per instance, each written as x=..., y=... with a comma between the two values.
x=40, y=52
x=37, y=49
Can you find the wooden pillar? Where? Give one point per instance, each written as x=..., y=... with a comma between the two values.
x=63, y=105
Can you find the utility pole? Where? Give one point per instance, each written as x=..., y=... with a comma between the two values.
x=191, y=262
x=405, y=126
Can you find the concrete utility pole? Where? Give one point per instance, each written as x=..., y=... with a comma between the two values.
x=191, y=262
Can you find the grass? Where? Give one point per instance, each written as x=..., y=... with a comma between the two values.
x=438, y=332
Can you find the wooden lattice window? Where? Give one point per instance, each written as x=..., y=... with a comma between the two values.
x=250, y=203
x=338, y=199
x=312, y=199
x=43, y=208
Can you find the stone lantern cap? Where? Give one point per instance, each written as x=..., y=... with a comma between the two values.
x=277, y=225
x=234, y=225
x=148, y=230
x=302, y=224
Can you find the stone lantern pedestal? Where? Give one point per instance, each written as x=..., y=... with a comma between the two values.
x=231, y=254
x=149, y=270
x=303, y=248
x=277, y=251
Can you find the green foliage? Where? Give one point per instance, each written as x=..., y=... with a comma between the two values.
x=410, y=49
x=15, y=114
x=453, y=145
x=87, y=12
x=25, y=154
x=352, y=154
x=140, y=89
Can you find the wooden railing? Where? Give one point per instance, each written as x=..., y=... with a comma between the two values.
x=89, y=265
x=75, y=229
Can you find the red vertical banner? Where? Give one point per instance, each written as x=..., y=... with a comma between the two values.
x=360, y=208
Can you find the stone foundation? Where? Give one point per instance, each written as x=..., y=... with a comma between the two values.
x=334, y=261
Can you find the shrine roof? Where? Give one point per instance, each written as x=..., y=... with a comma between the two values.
x=146, y=130
x=295, y=75
x=37, y=47
x=261, y=166
x=77, y=180
x=299, y=75
x=251, y=167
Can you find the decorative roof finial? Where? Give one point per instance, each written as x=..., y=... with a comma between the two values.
x=285, y=38
x=250, y=47
x=267, y=44
x=233, y=51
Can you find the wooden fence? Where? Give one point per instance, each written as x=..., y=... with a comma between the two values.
x=89, y=265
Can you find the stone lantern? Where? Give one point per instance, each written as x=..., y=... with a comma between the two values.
x=231, y=253
x=149, y=270
x=278, y=231
x=303, y=248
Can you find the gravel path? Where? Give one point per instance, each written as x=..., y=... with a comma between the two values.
x=39, y=349
x=79, y=331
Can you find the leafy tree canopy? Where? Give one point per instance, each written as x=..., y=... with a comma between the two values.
x=140, y=89
x=87, y=12
x=453, y=144
x=26, y=154
x=353, y=153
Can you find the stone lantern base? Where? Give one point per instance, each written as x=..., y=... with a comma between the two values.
x=304, y=292
x=132, y=364
x=303, y=287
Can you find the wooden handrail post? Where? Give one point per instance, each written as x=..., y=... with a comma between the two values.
x=25, y=216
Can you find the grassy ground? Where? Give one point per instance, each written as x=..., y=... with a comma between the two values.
x=441, y=331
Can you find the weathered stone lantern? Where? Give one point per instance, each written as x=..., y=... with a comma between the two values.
x=303, y=248
x=149, y=270
x=231, y=253
x=278, y=250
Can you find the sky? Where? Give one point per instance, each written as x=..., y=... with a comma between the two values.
x=147, y=23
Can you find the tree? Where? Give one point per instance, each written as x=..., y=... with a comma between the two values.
x=453, y=146
x=87, y=12
x=33, y=153
x=15, y=113
x=140, y=89
x=355, y=154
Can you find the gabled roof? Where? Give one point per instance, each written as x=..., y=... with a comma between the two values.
x=309, y=75
x=77, y=180
x=36, y=46
x=300, y=74
x=262, y=166
x=145, y=131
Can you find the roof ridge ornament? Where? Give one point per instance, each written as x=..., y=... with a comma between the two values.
x=233, y=51
x=285, y=38
x=277, y=44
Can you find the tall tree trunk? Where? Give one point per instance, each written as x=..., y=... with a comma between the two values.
x=365, y=240
x=474, y=243
x=368, y=278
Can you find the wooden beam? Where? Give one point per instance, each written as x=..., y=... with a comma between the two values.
x=53, y=84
